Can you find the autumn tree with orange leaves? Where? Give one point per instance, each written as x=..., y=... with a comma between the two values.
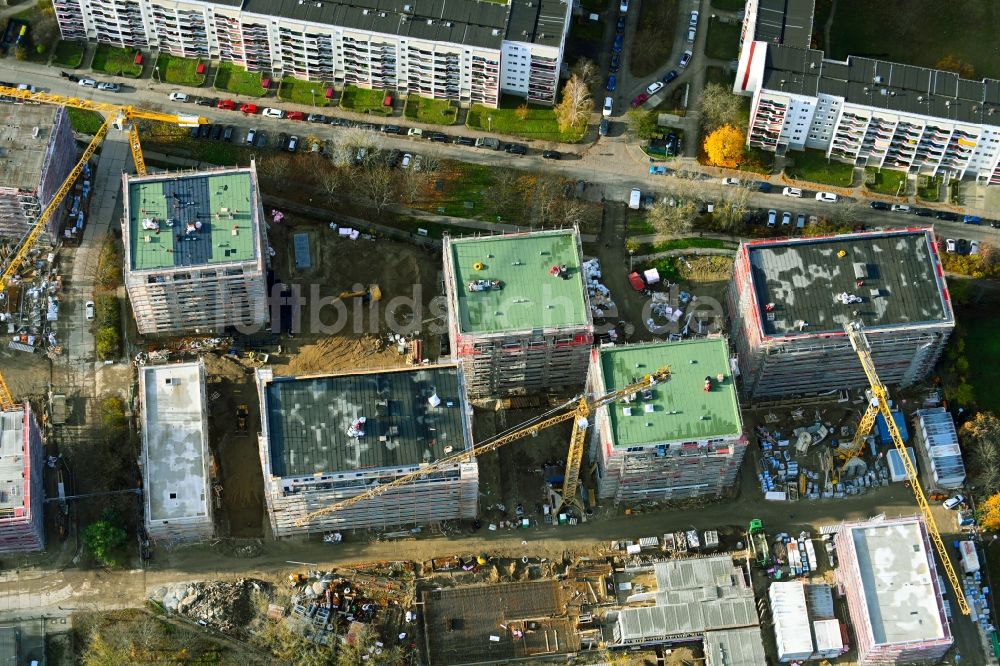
x=725, y=147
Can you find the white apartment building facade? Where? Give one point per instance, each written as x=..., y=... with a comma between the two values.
x=470, y=51
x=866, y=112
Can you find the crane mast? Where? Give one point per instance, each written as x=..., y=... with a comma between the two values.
x=880, y=402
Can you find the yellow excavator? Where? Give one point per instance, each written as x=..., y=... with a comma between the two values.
x=369, y=295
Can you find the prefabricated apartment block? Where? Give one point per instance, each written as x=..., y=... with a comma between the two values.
x=888, y=575
x=37, y=153
x=195, y=251
x=680, y=438
x=789, y=300
x=518, y=310
x=328, y=438
x=464, y=50
x=176, y=459
x=22, y=527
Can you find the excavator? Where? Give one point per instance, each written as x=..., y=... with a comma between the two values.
x=580, y=410
x=370, y=295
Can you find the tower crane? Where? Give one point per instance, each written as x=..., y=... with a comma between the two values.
x=880, y=405
x=579, y=410
x=124, y=118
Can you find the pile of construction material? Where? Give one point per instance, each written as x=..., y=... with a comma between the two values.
x=602, y=306
x=793, y=556
x=226, y=606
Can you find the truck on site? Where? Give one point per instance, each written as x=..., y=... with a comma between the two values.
x=970, y=558
x=758, y=542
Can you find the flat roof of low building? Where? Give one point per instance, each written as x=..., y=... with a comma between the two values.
x=734, y=647
x=21, y=154
x=203, y=219
x=805, y=281
x=13, y=463
x=897, y=576
x=785, y=22
x=175, y=445
x=531, y=297
x=309, y=420
x=681, y=408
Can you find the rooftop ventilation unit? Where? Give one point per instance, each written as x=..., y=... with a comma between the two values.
x=877, y=79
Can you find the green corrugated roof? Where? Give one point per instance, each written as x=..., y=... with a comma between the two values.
x=678, y=404
x=185, y=200
x=531, y=298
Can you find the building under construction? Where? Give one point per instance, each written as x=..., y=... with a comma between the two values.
x=37, y=153
x=519, y=312
x=195, y=251
x=175, y=452
x=21, y=451
x=328, y=438
x=789, y=300
x=677, y=439
x=888, y=575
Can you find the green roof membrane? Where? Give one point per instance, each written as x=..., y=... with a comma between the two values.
x=531, y=298
x=219, y=203
x=681, y=408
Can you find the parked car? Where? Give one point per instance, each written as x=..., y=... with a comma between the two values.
x=407, y=158
x=317, y=118
x=293, y=144
x=392, y=129
x=670, y=76
x=602, y=129
x=88, y=310
x=272, y=113
x=953, y=502
x=226, y=104
x=693, y=21
x=686, y=58
x=763, y=187
x=899, y=208
x=612, y=83
x=879, y=205
x=619, y=42
x=87, y=83
x=516, y=149
x=950, y=246
x=205, y=101
x=620, y=27
x=923, y=212
x=786, y=219
x=639, y=100
x=217, y=132
x=249, y=108
x=440, y=137
x=552, y=155
x=261, y=139
x=730, y=181
x=616, y=62
x=251, y=136
x=283, y=141
x=772, y=216
x=179, y=97
x=945, y=215
x=609, y=105
x=828, y=197
x=654, y=88
x=791, y=192
x=658, y=171
x=415, y=132
x=995, y=224
x=108, y=87
x=974, y=247
x=417, y=161
x=692, y=33
x=972, y=219
x=800, y=221
x=295, y=115
x=204, y=131
x=465, y=141
x=623, y=6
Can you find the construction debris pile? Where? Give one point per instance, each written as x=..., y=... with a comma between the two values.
x=226, y=606
x=30, y=306
x=793, y=556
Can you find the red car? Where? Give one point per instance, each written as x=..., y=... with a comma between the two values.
x=227, y=104
x=295, y=115
x=639, y=99
x=249, y=108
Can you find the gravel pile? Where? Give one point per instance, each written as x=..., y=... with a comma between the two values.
x=226, y=606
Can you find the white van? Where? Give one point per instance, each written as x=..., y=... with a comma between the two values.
x=634, y=198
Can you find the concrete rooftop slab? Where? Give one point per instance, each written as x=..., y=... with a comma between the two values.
x=21, y=154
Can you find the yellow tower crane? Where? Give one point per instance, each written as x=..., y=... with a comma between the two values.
x=580, y=414
x=880, y=405
x=124, y=118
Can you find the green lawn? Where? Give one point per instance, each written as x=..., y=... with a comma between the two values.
x=929, y=188
x=723, y=41
x=179, y=71
x=728, y=5
x=363, y=100
x=116, y=61
x=982, y=335
x=237, y=80
x=298, y=91
x=886, y=181
x=812, y=165
x=540, y=123
x=919, y=32
x=84, y=122
x=428, y=110
x=68, y=54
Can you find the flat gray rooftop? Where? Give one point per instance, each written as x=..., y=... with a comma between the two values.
x=735, y=647
x=12, y=463
x=308, y=420
x=883, y=85
x=174, y=441
x=785, y=22
x=897, y=577
x=803, y=279
x=21, y=154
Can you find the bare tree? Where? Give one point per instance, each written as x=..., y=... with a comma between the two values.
x=587, y=71
x=273, y=168
x=505, y=188
x=576, y=105
x=548, y=192
x=378, y=182
x=982, y=435
x=734, y=204
x=673, y=220
x=719, y=106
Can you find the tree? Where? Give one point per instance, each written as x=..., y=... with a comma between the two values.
x=576, y=104
x=989, y=513
x=587, y=71
x=950, y=63
x=642, y=123
x=20, y=52
x=982, y=436
x=725, y=147
x=378, y=182
x=732, y=208
x=102, y=539
x=719, y=107
x=673, y=220
x=108, y=343
x=274, y=168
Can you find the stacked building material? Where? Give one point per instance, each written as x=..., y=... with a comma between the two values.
x=938, y=448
